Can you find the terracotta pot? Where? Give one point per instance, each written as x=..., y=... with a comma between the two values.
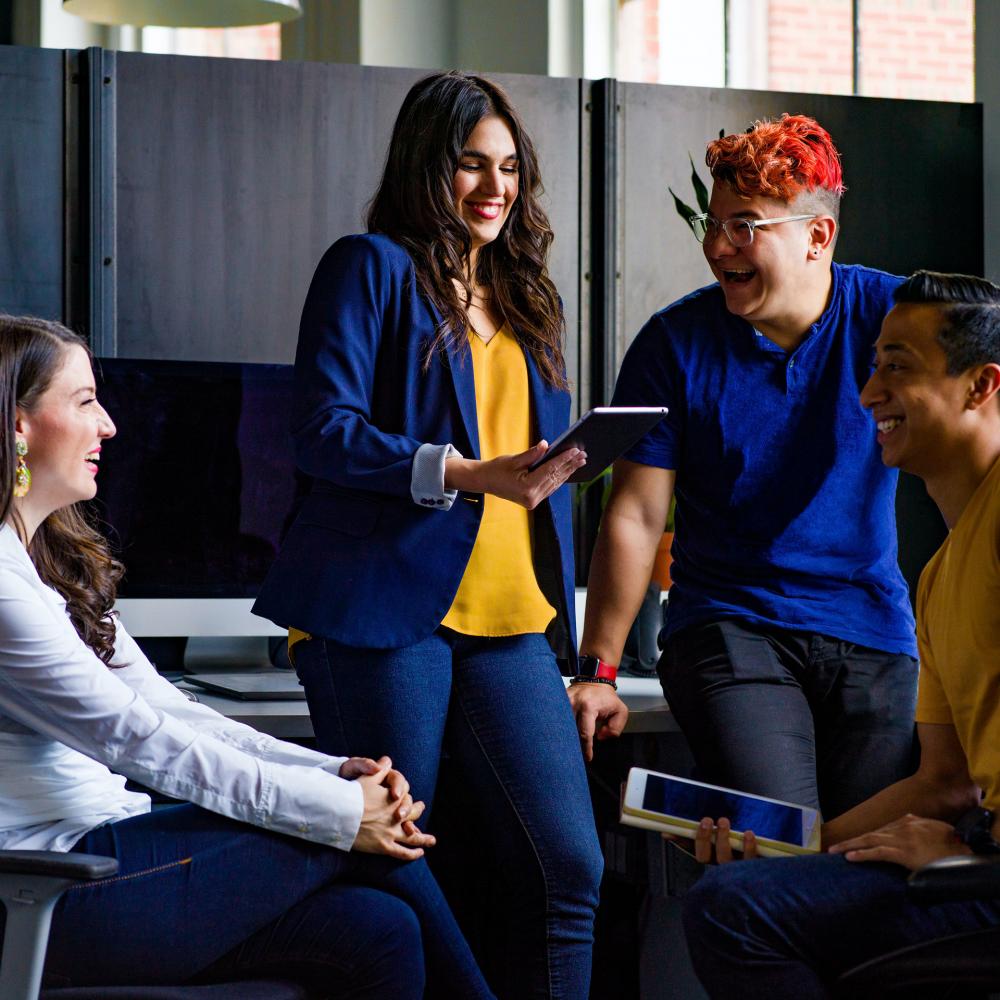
x=661, y=564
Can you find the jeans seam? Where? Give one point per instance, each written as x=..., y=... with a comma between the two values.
x=341, y=732
x=131, y=875
x=521, y=823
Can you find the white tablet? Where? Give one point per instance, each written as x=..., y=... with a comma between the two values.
x=675, y=805
x=604, y=433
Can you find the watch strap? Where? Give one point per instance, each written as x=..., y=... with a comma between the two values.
x=594, y=666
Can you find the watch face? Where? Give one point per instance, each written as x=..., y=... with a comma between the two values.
x=589, y=666
x=975, y=830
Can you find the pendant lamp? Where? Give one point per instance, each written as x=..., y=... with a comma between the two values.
x=185, y=13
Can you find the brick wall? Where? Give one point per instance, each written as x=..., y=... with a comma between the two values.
x=919, y=49
x=809, y=45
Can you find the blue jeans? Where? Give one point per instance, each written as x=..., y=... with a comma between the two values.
x=777, y=928
x=201, y=897
x=499, y=708
x=792, y=715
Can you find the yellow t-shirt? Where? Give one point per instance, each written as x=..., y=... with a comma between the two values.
x=958, y=631
x=499, y=592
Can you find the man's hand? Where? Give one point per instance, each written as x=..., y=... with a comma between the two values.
x=911, y=842
x=507, y=476
x=714, y=837
x=390, y=814
x=600, y=714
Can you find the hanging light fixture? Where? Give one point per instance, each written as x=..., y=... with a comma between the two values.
x=185, y=13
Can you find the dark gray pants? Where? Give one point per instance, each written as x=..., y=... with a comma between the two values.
x=792, y=715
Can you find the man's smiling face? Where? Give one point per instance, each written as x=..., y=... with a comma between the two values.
x=762, y=282
x=917, y=406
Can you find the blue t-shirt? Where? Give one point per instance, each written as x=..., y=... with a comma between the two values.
x=785, y=512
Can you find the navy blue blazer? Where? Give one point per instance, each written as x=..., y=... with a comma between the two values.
x=363, y=564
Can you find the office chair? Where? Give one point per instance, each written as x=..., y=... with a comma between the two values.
x=31, y=883
x=968, y=962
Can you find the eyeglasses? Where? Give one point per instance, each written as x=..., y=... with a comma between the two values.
x=739, y=232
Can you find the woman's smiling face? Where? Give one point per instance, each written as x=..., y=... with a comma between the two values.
x=486, y=182
x=64, y=431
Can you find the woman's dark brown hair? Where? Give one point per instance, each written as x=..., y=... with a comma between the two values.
x=69, y=554
x=415, y=206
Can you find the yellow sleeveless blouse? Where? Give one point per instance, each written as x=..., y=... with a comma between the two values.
x=499, y=593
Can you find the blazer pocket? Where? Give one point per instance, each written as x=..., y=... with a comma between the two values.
x=347, y=515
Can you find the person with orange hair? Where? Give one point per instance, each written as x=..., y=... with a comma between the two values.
x=788, y=650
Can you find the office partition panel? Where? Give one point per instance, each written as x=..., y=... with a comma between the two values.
x=234, y=176
x=31, y=181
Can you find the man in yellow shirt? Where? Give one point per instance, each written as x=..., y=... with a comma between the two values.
x=788, y=928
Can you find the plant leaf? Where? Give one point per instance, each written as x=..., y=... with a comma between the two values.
x=700, y=191
x=686, y=212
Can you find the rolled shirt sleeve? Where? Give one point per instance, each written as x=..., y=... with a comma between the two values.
x=427, y=483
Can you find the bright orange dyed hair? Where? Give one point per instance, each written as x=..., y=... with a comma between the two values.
x=779, y=159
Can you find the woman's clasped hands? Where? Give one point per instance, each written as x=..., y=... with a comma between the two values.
x=388, y=824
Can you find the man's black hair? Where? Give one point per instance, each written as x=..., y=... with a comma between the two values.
x=970, y=309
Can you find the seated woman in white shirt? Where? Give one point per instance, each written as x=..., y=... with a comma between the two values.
x=262, y=874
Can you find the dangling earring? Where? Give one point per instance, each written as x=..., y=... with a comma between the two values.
x=22, y=474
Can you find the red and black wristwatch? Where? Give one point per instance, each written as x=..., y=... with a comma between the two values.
x=593, y=670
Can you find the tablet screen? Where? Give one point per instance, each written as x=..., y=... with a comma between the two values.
x=770, y=820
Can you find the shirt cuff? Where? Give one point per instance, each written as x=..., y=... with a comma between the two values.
x=427, y=479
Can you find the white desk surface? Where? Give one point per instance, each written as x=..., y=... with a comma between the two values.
x=216, y=624
x=648, y=712
x=223, y=616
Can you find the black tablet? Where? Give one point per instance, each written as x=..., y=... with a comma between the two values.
x=263, y=685
x=604, y=433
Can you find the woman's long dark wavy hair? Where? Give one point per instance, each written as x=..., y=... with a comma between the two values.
x=415, y=206
x=70, y=555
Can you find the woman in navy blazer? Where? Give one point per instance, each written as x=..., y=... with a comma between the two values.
x=387, y=427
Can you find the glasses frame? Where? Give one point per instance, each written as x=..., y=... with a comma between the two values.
x=751, y=224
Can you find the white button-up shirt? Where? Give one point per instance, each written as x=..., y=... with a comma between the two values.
x=70, y=727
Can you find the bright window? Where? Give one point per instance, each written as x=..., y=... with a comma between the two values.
x=919, y=49
x=256, y=42
x=810, y=46
x=922, y=50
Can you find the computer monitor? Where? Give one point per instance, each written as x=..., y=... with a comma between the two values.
x=196, y=489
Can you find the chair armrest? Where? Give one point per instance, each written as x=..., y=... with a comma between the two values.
x=964, y=877
x=57, y=864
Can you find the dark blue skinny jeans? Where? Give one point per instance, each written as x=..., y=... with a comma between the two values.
x=202, y=898
x=499, y=708
x=787, y=928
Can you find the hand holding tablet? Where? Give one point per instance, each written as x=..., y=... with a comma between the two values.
x=604, y=433
x=677, y=806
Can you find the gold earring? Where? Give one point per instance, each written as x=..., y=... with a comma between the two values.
x=22, y=474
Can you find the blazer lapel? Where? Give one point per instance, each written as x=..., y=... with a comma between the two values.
x=460, y=365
